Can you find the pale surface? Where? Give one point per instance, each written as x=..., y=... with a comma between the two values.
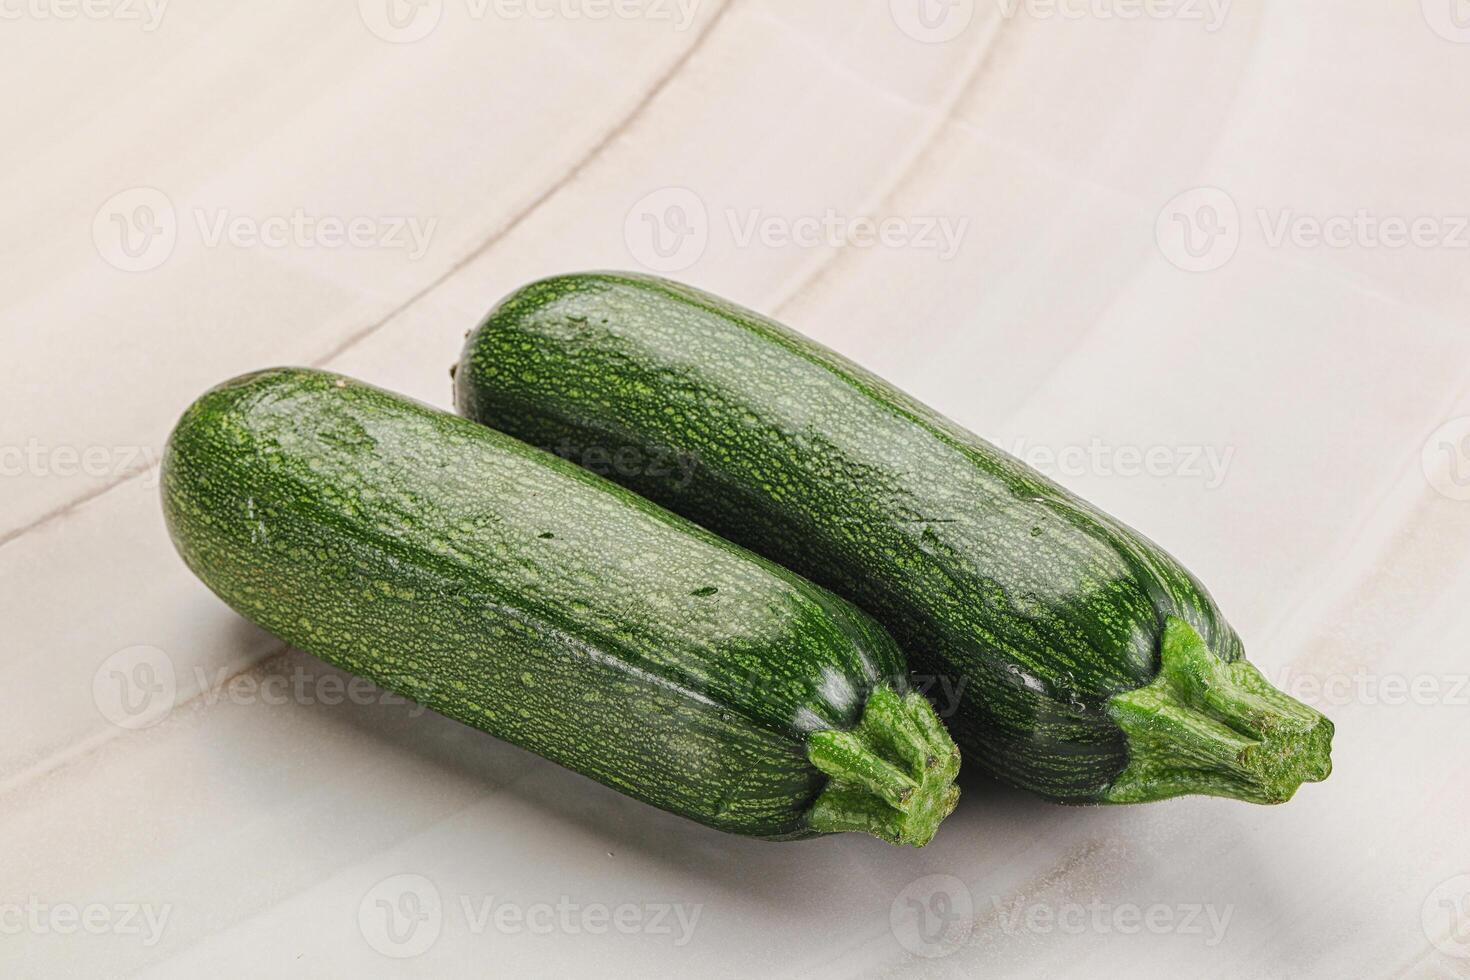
x=1293, y=397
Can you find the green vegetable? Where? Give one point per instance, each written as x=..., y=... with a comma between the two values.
x=519, y=594
x=1091, y=666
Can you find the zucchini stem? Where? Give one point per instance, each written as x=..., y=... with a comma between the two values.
x=892, y=774
x=1207, y=726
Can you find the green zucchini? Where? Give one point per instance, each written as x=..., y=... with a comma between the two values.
x=526, y=597
x=1091, y=666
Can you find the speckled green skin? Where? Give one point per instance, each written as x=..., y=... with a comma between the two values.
x=989, y=574
x=524, y=596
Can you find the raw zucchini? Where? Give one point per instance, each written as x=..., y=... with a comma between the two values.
x=1091, y=666
x=529, y=598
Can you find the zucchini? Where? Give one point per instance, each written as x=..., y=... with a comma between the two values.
x=526, y=597
x=1092, y=666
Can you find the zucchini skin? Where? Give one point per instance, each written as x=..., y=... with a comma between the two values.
x=520, y=594
x=990, y=575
